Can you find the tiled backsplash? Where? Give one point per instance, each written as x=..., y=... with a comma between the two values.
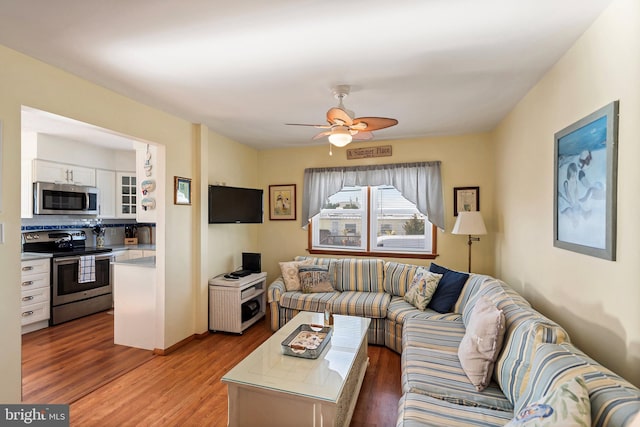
x=114, y=228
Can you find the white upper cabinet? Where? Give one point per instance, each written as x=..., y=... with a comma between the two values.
x=126, y=194
x=106, y=183
x=61, y=173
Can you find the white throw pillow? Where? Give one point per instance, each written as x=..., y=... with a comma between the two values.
x=482, y=342
x=289, y=271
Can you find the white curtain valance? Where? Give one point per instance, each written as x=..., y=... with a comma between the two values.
x=420, y=183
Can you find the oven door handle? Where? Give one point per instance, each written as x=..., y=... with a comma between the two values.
x=70, y=260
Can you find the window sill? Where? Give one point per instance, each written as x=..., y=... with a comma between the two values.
x=372, y=254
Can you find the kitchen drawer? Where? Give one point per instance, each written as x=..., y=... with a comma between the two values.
x=35, y=312
x=35, y=266
x=34, y=296
x=34, y=281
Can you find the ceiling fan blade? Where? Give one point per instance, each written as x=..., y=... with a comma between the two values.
x=362, y=136
x=374, y=123
x=304, y=124
x=336, y=114
x=322, y=135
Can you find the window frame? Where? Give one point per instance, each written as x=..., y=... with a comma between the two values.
x=368, y=251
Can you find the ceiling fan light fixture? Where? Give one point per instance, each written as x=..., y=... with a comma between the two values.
x=340, y=136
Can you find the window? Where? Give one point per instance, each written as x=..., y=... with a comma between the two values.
x=372, y=221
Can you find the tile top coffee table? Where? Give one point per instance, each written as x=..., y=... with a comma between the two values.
x=269, y=388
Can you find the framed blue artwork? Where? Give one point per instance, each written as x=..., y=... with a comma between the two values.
x=585, y=175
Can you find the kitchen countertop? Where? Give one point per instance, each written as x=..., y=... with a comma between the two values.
x=28, y=256
x=123, y=247
x=148, y=261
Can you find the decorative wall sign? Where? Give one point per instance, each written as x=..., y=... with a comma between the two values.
x=182, y=194
x=466, y=199
x=368, y=152
x=282, y=202
x=585, y=175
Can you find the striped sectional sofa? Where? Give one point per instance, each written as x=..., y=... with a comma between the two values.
x=536, y=358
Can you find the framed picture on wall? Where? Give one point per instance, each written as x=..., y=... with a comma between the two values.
x=466, y=199
x=282, y=202
x=585, y=175
x=182, y=191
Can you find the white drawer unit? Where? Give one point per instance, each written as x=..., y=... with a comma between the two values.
x=35, y=294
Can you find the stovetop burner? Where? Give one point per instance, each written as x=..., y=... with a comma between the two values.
x=59, y=243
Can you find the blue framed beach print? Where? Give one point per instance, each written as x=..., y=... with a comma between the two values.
x=585, y=175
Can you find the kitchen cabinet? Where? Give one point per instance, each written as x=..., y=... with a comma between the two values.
x=126, y=194
x=106, y=183
x=134, y=303
x=35, y=290
x=61, y=173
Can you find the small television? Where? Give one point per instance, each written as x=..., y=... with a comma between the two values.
x=234, y=205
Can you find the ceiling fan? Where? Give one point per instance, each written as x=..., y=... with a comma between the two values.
x=343, y=126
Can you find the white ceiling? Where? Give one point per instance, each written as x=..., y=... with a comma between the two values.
x=247, y=67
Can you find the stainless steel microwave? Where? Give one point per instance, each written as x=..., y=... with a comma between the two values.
x=64, y=199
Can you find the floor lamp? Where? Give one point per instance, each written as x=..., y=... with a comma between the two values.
x=469, y=223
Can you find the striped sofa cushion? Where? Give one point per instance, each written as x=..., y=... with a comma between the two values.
x=275, y=290
x=496, y=290
x=398, y=277
x=470, y=289
x=442, y=335
x=439, y=374
x=359, y=274
x=399, y=310
x=614, y=401
x=525, y=329
x=307, y=302
x=364, y=304
x=416, y=409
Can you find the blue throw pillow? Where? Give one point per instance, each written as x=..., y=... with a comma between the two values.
x=448, y=289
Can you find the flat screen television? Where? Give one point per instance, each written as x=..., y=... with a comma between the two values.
x=234, y=205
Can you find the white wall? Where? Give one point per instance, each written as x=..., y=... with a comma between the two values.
x=597, y=301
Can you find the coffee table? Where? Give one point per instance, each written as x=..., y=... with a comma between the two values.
x=269, y=388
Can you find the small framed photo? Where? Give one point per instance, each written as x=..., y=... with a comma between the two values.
x=466, y=199
x=282, y=202
x=182, y=190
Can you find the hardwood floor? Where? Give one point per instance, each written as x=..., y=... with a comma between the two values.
x=62, y=363
x=182, y=388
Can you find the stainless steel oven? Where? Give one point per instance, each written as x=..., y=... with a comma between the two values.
x=71, y=299
x=64, y=199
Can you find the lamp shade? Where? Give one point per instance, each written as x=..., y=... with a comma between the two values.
x=469, y=223
x=340, y=136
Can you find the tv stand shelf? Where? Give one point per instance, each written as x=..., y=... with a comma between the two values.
x=226, y=298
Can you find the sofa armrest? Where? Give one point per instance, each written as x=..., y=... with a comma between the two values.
x=275, y=290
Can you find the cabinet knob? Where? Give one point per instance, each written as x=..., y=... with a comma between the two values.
x=27, y=298
x=27, y=268
x=27, y=283
x=27, y=313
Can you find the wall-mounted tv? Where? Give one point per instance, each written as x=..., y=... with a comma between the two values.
x=234, y=205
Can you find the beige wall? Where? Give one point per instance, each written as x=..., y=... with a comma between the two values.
x=234, y=165
x=24, y=81
x=466, y=161
x=597, y=301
